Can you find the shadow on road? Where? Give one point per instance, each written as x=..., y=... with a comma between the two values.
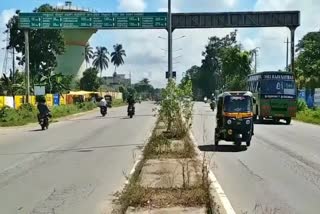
x=269, y=122
x=222, y=148
x=36, y=130
x=83, y=149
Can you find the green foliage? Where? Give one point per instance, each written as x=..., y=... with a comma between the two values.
x=176, y=103
x=11, y=117
x=89, y=81
x=308, y=61
x=302, y=105
x=28, y=113
x=235, y=67
x=117, y=56
x=225, y=67
x=88, y=53
x=101, y=60
x=44, y=45
x=186, y=94
x=12, y=84
x=309, y=116
x=170, y=105
x=144, y=88
x=56, y=83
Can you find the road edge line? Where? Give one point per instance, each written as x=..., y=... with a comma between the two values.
x=215, y=188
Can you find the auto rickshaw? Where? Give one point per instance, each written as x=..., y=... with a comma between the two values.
x=109, y=100
x=235, y=117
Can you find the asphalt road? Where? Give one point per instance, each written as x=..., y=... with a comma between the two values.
x=75, y=166
x=279, y=172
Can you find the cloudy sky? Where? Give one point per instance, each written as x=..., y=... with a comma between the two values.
x=145, y=57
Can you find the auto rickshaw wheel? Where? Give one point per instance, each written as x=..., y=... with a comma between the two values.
x=248, y=143
x=238, y=142
x=216, y=138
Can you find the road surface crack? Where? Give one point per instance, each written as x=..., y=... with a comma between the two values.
x=250, y=171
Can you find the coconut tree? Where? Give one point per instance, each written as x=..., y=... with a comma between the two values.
x=101, y=60
x=117, y=56
x=88, y=53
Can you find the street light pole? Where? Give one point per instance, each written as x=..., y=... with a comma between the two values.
x=255, y=59
x=169, y=40
x=287, y=56
x=27, y=69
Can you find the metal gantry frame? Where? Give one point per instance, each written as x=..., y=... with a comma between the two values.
x=290, y=19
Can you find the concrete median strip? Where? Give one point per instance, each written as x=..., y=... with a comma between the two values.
x=171, y=177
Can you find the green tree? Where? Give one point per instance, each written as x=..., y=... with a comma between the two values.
x=308, y=61
x=236, y=66
x=88, y=53
x=101, y=60
x=56, y=83
x=144, y=88
x=44, y=45
x=12, y=85
x=117, y=56
x=90, y=80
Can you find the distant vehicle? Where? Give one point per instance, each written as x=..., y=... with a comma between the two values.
x=276, y=95
x=205, y=99
x=234, y=117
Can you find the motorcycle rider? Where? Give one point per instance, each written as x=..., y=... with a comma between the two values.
x=131, y=102
x=43, y=108
x=103, y=104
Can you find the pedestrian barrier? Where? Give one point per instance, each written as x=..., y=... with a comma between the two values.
x=55, y=99
x=2, y=101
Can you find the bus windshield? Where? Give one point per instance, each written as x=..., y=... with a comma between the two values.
x=237, y=104
x=285, y=87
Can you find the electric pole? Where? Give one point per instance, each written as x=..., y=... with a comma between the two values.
x=255, y=59
x=13, y=66
x=287, y=56
x=169, y=40
x=27, y=68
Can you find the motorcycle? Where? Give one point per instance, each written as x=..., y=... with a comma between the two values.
x=103, y=110
x=131, y=111
x=44, y=122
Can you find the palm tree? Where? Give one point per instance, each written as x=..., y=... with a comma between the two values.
x=88, y=53
x=117, y=56
x=101, y=60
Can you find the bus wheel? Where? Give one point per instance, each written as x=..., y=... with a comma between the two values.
x=288, y=121
x=260, y=119
x=276, y=120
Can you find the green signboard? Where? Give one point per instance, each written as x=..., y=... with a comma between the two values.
x=71, y=20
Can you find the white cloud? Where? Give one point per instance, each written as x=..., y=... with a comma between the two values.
x=271, y=41
x=132, y=5
x=146, y=59
x=6, y=15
